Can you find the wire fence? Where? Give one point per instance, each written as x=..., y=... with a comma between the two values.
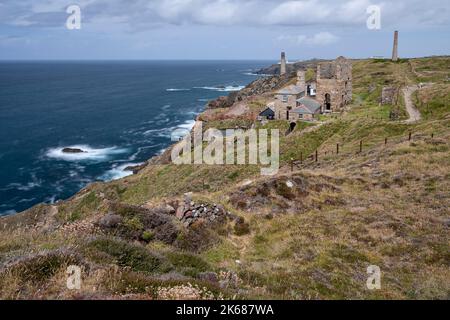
x=337, y=150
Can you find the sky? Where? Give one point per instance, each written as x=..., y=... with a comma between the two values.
x=221, y=29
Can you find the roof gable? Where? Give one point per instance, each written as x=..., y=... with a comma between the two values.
x=307, y=105
x=291, y=90
x=267, y=113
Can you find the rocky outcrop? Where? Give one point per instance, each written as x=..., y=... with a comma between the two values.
x=137, y=168
x=294, y=67
x=258, y=87
x=73, y=150
x=221, y=102
x=189, y=212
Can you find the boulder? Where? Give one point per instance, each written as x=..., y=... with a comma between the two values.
x=180, y=212
x=110, y=221
x=73, y=150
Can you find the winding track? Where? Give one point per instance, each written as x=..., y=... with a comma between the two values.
x=414, y=114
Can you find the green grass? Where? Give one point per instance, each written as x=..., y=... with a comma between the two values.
x=87, y=205
x=125, y=254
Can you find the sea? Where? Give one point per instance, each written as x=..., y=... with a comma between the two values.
x=121, y=112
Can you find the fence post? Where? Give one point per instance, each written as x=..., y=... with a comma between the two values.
x=432, y=135
x=410, y=136
x=360, y=146
x=292, y=164
x=317, y=156
x=301, y=157
x=385, y=141
x=337, y=148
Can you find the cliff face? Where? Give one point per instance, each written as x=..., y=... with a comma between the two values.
x=211, y=232
x=258, y=87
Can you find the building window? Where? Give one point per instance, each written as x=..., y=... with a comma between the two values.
x=285, y=98
x=300, y=116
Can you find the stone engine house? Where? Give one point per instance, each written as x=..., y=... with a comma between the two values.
x=334, y=84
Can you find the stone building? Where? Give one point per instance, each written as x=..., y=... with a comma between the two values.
x=307, y=109
x=334, y=84
x=286, y=98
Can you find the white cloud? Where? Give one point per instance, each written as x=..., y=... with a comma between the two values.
x=318, y=39
x=298, y=13
x=146, y=14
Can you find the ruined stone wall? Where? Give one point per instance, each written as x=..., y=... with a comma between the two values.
x=301, y=79
x=388, y=95
x=335, y=78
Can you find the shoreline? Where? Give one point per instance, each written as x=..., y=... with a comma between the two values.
x=119, y=172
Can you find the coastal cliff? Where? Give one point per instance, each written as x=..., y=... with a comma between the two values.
x=309, y=232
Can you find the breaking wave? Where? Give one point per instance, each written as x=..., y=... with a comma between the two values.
x=89, y=154
x=222, y=89
x=118, y=172
x=176, y=90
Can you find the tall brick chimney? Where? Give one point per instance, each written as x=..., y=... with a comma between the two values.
x=395, y=50
x=283, y=64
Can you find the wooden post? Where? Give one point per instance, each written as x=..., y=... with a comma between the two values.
x=432, y=135
x=337, y=148
x=385, y=141
x=360, y=146
x=317, y=156
x=301, y=157
x=410, y=136
x=292, y=165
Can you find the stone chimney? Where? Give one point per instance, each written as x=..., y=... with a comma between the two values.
x=301, y=79
x=395, y=49
x=283, y=64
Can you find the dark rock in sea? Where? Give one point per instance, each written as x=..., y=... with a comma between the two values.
x=73, y=150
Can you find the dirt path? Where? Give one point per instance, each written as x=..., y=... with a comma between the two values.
x=414, y=114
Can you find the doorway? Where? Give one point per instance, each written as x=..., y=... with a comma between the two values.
x=327, y=102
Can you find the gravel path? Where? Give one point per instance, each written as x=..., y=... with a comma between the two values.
x=414, y=114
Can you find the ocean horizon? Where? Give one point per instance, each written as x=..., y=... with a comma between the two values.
x=121, y=112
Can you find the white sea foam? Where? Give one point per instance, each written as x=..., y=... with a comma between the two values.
x=140, y=149
x=26, y=200
x=7, y=212
x=118, y=172
x=51, y=200
x=256, y=74
x=187, y=125
x=223, y=89
x=90, y=154
x=182, y=130
x=176, y=90
x=175, y=132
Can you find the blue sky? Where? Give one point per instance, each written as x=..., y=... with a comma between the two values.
x=220, y=29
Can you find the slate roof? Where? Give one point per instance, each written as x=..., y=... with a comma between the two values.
x=267, y=113
x=307, y=106
x=291, y=90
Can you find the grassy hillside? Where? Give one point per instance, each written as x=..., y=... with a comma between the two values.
x=309, y=233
